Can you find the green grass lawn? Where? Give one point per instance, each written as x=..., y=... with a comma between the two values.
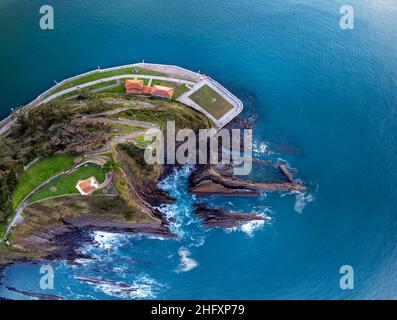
x=210, y=100
x=66, y=184
x=117, y=89
x=156, y=82
x=40, y=172
x=179, y=89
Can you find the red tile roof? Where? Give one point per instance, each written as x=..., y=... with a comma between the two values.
x=86, y=186
x=147, y=90
x=163, y=92
x=133, y=86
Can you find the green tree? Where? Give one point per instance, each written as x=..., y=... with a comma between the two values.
x=109, y=166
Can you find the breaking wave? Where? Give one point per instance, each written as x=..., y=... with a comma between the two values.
x=107, y=240
x=252, y=226
x=181, y=216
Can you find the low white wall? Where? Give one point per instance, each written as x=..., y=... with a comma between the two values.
x=174, y=71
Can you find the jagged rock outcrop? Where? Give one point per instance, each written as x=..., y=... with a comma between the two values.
x=207, y=180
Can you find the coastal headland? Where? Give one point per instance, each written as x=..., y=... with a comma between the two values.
x=87, y=129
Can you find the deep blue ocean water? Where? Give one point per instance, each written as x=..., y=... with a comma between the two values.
x=325, y=100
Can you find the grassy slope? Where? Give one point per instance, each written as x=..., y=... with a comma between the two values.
x=183, y=116
x=40, y=172
x=211, y=101
x=66, y=184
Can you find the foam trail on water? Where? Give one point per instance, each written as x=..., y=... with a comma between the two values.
x=301, y=201
x=187, y=263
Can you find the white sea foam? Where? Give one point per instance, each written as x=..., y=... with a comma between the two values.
x=250, y=227
x=107, y=240
x=301, y=201
x=180, y=215
x=186, y=263
x=172, y=214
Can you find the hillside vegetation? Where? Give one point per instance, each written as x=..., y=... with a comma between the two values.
x=51, y=138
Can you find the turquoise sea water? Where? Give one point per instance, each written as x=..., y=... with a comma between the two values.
x=325, y=100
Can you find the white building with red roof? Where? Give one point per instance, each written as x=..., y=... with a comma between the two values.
x=162, y=92
x=87, y=186
x=138, y=87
